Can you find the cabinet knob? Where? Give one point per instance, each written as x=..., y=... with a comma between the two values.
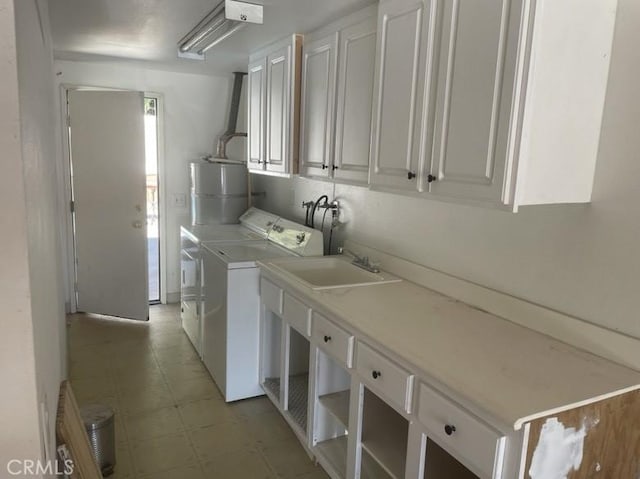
x=334, y=167
x=259, y=161
x=376, y=374
x=411, y=175
x=324, y=167
x=327, y=339
x=449, y=429
x=432, y=178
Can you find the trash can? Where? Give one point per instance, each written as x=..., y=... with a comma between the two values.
x=99, y=423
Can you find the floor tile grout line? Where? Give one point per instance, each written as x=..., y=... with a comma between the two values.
x=163, y=340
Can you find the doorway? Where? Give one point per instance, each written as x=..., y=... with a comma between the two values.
x=115, y=160
x=153, y=196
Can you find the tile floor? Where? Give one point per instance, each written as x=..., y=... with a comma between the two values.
x=171, y=421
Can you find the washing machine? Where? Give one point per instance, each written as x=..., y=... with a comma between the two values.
x=255, y=225
x=231, y=303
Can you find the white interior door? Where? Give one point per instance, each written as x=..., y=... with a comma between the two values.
x=109, y=192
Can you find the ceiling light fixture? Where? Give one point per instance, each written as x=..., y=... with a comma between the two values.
x=224, y=20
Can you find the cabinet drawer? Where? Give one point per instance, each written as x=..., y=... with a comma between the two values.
x=297, y=314
x=333, y=339
x=474, y=443
x=381, y=374
x=271, y=296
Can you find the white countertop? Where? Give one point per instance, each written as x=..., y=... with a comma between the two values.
x=498, y=369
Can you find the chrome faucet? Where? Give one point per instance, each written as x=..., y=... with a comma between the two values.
x=361, y=261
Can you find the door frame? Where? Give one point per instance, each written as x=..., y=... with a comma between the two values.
x=66, y=219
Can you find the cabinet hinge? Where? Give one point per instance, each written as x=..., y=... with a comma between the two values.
x=72, y=206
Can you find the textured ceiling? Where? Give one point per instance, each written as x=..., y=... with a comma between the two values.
x=148, y=30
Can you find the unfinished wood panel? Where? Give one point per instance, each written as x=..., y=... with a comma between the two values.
x=70, y=431
x=612, y=442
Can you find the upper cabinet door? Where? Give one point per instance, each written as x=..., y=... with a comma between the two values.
x=355, y=95
x=256, y=84
x=475, y=96
x=318, y=102
x=278, y=104
x=403, y=45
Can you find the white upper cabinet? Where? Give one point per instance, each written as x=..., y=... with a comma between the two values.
x=404, y=52
x=319, y=62
x=475, y=97
x=337, y=86
x=273, y=108
x=355, y=96
x=520, y=97
x=497, y=102
x=256, y=86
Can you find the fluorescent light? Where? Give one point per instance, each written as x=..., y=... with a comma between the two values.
x=214, y=41
x=224, y=20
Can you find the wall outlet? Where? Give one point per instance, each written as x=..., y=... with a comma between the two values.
x=179, y=200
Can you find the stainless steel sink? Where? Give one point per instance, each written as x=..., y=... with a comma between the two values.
x=331, y=272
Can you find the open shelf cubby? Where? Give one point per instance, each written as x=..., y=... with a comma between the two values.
x=338, y=405
x=334, y=451
x=384, y=435
x=331, y=413
x=298, y=378
x=371, y=469
x=299, y=399
x=272, y=386
x=271, y=353
x=439, y=464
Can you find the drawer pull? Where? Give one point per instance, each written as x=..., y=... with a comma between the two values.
x=327, y=339
x=449, y=429
x=376, y=374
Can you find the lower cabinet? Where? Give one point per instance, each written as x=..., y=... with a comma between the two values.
x=331, y=399
x=296, y=381
x=430, y=460
x=359, y=413
x=380, y=439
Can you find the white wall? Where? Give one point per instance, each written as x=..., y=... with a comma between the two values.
x=195, y=113
x=19, y=436
x=580, y=260
x=32, y=341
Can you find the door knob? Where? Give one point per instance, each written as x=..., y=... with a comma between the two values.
x=137, y=224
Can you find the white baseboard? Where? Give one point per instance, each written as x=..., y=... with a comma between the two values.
x=596, y=339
